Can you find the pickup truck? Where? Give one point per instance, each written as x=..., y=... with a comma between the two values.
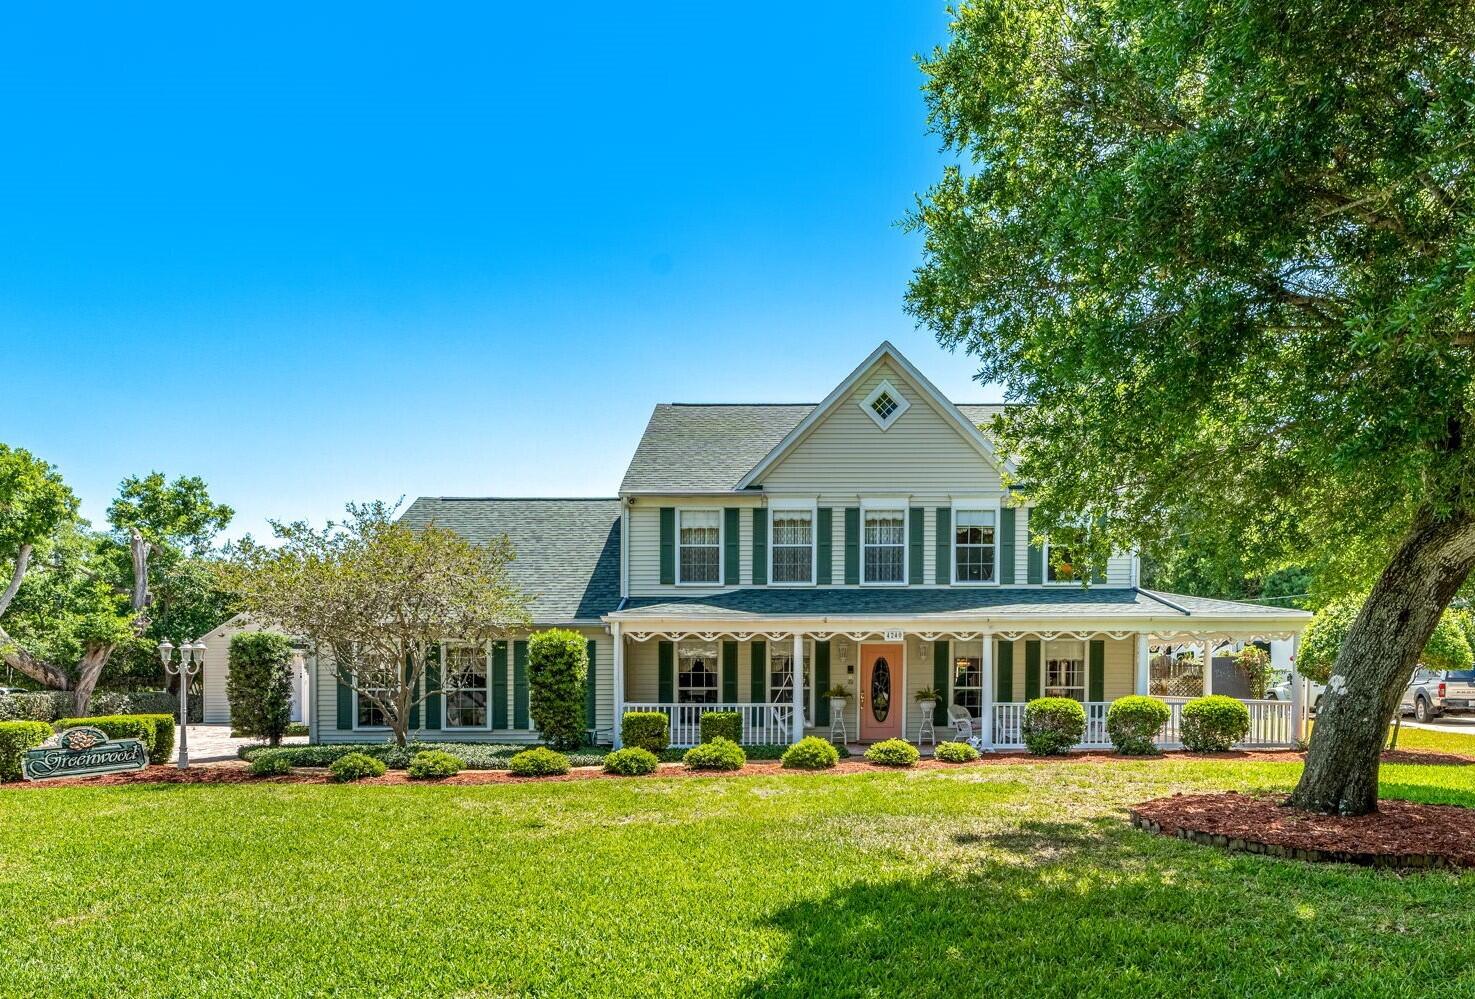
x=1432, y=692
x=1280, y=690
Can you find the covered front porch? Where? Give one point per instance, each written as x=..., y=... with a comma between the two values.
x=983, y=674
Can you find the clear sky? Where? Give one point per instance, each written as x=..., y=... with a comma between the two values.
x=317, y=254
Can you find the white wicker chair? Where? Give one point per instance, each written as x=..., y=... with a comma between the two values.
x=961, y=721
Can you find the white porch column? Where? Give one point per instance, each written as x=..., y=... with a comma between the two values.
x=619, y=691
x=1298, y=695
x=798, y=686
x=987, y=728
x=1208, y=667
x=1144, y=664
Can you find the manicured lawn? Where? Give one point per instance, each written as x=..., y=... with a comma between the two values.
x=994, y=881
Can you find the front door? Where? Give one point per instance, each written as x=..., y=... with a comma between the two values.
x=880, y=692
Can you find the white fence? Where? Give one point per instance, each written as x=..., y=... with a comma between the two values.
x=763, y=724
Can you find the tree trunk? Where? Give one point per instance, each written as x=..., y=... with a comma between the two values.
x=1376, y=661
x=88, y=670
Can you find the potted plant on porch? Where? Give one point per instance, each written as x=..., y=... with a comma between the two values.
x=838, y=696
x=927, y=699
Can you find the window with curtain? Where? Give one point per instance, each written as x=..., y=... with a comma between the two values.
x=781, y=676
x=464, y=677
x=792, y=538
x=968, y=685
x=699, y=537
x=696, y=678
x=1065, y=669
x=885, y=543
x=973, y=546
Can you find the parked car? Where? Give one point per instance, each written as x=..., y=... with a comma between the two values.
x=1433, y=692
x=1280, y=689
x=11, y=690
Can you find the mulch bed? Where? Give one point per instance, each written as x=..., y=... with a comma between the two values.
x=233, y=772
x=1400, y=834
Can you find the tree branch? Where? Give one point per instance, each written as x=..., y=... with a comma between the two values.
x=22, y=560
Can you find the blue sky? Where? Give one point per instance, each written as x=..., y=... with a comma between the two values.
x=318, y=253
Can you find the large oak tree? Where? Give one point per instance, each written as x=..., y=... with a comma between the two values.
x=1224, y=252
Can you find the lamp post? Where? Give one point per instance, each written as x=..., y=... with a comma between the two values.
x=191, y=659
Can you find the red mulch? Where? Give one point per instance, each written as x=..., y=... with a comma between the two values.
x=1399, y=834
x=234, y=772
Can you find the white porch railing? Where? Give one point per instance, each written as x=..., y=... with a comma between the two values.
x=1009, y=725
x=1270, y=725
x=763, y=724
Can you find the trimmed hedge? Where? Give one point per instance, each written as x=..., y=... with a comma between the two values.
x=1052, y=725
x=719, y=754
x=271, y=765
x=811, y=753
x=722, y=725
x=49, y=705
x=1132, y=723
x=955, y=752
x=1214, y=724
x=355, y=766
x=156, y=732
x=15, y=738
x=893, y=753
x=761, y=751
x=632, y=761
x=258, y=685
x=539, y=762
x=649, y=730
x=42, y=706
x=474, y=755
x=434, y=764
x=558, y=663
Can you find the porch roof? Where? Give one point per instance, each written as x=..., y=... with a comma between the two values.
x=1003, y=603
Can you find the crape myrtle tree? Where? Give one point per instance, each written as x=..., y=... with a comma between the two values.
x=376, y=598
x=1224, y=254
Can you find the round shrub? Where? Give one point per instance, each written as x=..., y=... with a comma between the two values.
x=632, y=761
x=558, y=663
x=540, y=762
x=811, y=753
x=433, y=764
x=722, y=724
x=650, y=730
x=271, y=764
x=1052, y=725
x=355, y=766
x=719, y=754
x=1133, y=722
x=1214, y=724
x=955, y=752
x=893, y=753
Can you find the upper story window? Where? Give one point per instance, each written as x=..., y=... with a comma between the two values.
x=974, y=546
x=466, y=686
x=696, y=678
x=1060, y=562
x=1065, y=669
x=884, y=404
x=792, y=537
x=699, y=540
x=884, y=544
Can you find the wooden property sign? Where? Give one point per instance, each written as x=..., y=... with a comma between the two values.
x=83, y=752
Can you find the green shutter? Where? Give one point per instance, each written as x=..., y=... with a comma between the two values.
x=668, y=545
x=1006, y=545
x=1096, y=681
x=852, y=545
x=942, y=572
x=824, y=530
x=1031, y=669
x=729, y=672
x=591, y=685
x=940, y=656
x=433, y=694
x=499, y=685
x=1099, y=576
x=758, y=664
x=916, y=539
x=1004, y=672
x=345, y=719
x=665, y=673
x=1036, y=558
x=520, y=685
x=821, y=682
x=414, y=708
x=731, y=559
x=760, y=546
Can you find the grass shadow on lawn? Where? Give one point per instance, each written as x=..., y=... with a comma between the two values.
x=1097, y=908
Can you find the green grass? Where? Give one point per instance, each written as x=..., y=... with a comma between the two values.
x=995, y=880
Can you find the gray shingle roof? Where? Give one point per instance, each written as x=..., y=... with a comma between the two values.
x=911, y=601
x=710, y=447
x=568, y=550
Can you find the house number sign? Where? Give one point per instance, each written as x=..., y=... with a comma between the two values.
x=892, y=634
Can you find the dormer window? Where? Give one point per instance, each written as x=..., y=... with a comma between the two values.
x=884, y=404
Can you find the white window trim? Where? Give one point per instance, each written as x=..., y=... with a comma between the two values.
x=902, y=405
x=994, y=506
x=714, y=667
x=445, y=715
x=812, y=505
x=364, y=728
x=1085, y=687
x=888, y=506
x=962, y=651
x=787, y=648
x=1045, y=579
x=721, y=545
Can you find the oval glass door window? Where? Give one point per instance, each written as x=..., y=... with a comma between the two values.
x=880, y=689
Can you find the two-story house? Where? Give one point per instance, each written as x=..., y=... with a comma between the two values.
x=758, y=555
